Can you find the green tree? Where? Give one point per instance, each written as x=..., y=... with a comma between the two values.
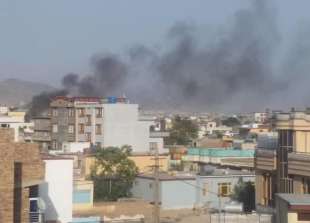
x=231, y=122
x=183, y=131
x=113, y=173
x=244, y=192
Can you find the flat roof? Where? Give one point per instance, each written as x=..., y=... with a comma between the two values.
x=55, y=157
x=225, y=172
x=295, y=199
x=167, y=177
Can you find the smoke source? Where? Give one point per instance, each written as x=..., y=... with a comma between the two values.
x=233, y=70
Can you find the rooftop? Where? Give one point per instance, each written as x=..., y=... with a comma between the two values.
x=225, y=172
x=295, y=199
x=163, y=176
x=220, y=152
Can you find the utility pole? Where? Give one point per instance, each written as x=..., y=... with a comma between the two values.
x=156, y=214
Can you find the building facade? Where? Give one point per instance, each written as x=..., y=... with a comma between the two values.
x=21, y=172
x=214, y=184
x=175, y=192
x=57, y=189
x=285, y=169
x=100, y=121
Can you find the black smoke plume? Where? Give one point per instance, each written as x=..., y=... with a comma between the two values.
x=237, y=68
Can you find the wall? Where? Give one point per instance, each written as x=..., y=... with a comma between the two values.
x=282, y=211
x=178, y=194
x=143, y=188
x=212, y=182
x=74, y=147
x=123, y=127
x=302, y=142
x=57, y=191
x=83, y=194
x=143, y=162
x=31, y=173
x=174, y=194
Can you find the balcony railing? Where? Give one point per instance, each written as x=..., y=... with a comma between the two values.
x=154, y=134
x=36, y=217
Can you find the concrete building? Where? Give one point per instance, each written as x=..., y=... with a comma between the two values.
x=16, y=121
x=100, y=121
x=21, y=173
x=286, y=169
x=143, y=161
x=42, y=132
x=260, y=117
x=292, y=208
x=57, y=189
x=226, y=157
x=176, y=192
x=213, y=183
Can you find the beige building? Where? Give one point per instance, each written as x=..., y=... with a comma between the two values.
x=144, y=162
x=286, y=169
x=21, y=172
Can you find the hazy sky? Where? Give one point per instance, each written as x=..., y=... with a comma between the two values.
x=44, y=40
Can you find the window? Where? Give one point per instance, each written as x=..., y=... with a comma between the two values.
x=303, y=216
x=70, y=112
x=54, y=112
x=88, y=117
x=98, y=112
x=153, y=146
x=305, y=186
x=205, y=189
x=54, y=144
x=81, y=128
x=71, y=129
x=98, y=129
x=55, y=128
x=224, y=189
x=98, y=144
x=81, y=112
x=88, y=137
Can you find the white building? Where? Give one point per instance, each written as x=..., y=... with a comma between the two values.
x=16, y=121
x=57, y=189
x=260, y=117
x=101, y=122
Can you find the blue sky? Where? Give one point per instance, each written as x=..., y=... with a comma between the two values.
x=43, y=40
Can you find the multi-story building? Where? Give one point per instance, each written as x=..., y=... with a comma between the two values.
x=42, y=132
x=21, y=173
x=103, y=122
x=260, y=117
x=34, y=187
x=286, y=168
x=16, y=120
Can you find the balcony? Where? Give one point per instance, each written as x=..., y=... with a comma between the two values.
x=36, y=217
x=41, y=136
x=265, y=160
x=154, y=134
x=299, y=164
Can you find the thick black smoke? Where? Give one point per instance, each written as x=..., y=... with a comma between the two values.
x=236, y=69
x=41, y=102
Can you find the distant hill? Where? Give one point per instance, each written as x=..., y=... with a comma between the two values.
x=20, y=92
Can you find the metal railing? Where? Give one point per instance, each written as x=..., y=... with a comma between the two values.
x=36, y=217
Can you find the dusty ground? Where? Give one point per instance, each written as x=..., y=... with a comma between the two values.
x=132, y=208
x=137, y=207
